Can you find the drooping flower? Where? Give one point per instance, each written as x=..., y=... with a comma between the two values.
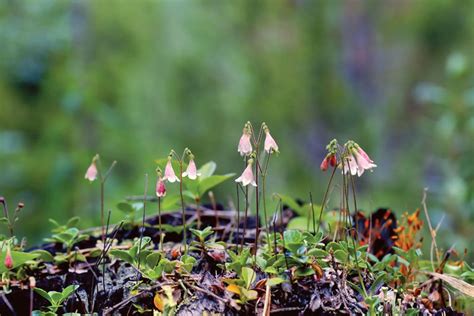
x=91, y=173
x=245, y=146
x=350, y=165
x=363, y=163
x=191, y=170
x=8, y=259
x=247, y=176
x=330, y=159
x=169, y=173
x=324, y=164
x=270, y=144
x=357, y=160
x=160, y=188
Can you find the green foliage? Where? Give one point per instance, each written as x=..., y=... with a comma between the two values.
x=68, y=237
x=56, y=299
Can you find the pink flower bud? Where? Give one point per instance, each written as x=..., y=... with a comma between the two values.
x=160, y=188
x=8, y=259
x=91, y=173
x=333, y=160
x=324, y=164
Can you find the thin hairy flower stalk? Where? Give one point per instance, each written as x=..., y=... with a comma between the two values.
x=103, y=251
x=103, y=179
x=245, y=217
x=283, y=237
x=312, y=212
x=354, y=197
x=182, y=203
x=323, y=204
x=238, y=212
x=159, y=224
x=361, y=279
x=274, y=228
x=143, y=220
x=7, y=216
x=257, y=228
x=264, y=178
x=102, y=193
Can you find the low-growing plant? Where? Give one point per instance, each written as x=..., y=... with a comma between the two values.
x=56, y=299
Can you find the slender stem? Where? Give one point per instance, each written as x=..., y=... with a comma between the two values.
x=257, y=230
x=325, y=198
x=159, y=223
x=346, y=185
x=238, y=212
x=245, y=217
x=355, y=209
x=265, y=215
x=182, y=203
x=143, y=220
x=283, y=237
x=102, y=193
x=312, y=212
x=7, y=216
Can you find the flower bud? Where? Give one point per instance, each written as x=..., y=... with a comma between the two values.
x=8, y=259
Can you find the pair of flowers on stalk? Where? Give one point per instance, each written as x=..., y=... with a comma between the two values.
x=353, y=159
x=245, y=149
x=170, y=175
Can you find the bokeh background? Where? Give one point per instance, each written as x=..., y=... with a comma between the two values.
x=132, y=79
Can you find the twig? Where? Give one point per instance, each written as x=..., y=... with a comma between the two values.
x=432, y=232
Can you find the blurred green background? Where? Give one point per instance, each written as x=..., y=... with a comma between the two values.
x=132, y=79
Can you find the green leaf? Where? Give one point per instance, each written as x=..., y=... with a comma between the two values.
x=43, y=255
x=56, y=297
x=73, y=221
x=210, y=182
x=126, y=207
x=207, y=169
x=122, y=255
x=340, y=255
x=248, y=275
x=44, y=294
x=298, y=222
x=318, y=253
x=153, y=259
x=379, y=280
x=275, y=281
x=68, y=291
x=3, y=220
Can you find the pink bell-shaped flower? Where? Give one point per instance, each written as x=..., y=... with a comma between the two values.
x=363, y=161
x=270, y=144
x=245, y=146
x=350, y=165
x=91, y=173
x=169, y=173
x=191, y=170
x=247, y=176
